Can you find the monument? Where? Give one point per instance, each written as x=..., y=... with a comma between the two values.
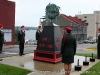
x=48, y=49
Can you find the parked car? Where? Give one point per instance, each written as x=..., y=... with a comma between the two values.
x=90, y=41
x=85, y=41
x=32, y=42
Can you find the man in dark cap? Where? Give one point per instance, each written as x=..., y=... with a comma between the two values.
x=68, y=50
x=38, y=33
x=21, y=40
x=1, y=39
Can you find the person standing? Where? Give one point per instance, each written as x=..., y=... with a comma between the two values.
x=21, y=40
x=1, y=39
x=98, y=45
x=68, y=50
x=38, y=33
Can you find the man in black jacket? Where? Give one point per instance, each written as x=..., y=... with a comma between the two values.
x=21, y=40
x=1, y=39
x=98, y=45
x=38, y=33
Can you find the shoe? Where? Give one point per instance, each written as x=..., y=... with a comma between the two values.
x=98, y=58
x=1, y=59
x=0, y=52
x=20, y=54
x=23, y=54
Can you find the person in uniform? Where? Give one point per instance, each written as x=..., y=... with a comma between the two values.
x=98, y=45
x=1, y=39
x=21, y=40
x=68, y=50
x=38, y=33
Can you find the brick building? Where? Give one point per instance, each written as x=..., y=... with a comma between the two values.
x=79, y=27
x=7, y=18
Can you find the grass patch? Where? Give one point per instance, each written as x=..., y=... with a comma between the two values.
x=88, y=55
x=94, y=70
x=11, y=70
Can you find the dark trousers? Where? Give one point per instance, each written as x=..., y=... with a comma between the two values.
x=98, y=52
x=1, y=46
x=21, y=48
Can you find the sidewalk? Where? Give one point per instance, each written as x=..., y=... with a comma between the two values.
x=15, y=46
x=38, y=67
x=32, y=45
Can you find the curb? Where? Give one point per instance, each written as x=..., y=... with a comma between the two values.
x=35, y=73
x=16, y=46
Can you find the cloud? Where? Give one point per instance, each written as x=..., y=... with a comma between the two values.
x=29, y=12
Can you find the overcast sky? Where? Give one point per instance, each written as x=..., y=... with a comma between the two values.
x=29, y=12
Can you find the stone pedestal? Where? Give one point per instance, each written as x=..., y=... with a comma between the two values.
x=49, y=46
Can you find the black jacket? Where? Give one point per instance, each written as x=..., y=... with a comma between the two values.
x=38, y=33
x=68, y=47
x=21, y=36
x=98, y=43
x=1, y=37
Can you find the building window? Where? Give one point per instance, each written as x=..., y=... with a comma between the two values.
x=85, y=20
x=7, y=35
x=85, y=16
x=79, y=28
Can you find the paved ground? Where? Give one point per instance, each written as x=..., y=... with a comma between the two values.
x=41, y=68
x=80, y=48
x=14, y=50
x=10, y=51
x=36, y=66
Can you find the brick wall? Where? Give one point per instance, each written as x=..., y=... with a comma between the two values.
x=7, y=17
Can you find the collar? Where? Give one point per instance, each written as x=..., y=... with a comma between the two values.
x=40, y=29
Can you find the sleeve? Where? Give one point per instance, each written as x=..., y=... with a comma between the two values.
x=36, y=35
x=62, y=45
x=75, y=46
x=0, y=34
x=4, y=38
x=18, y=36
x=98, y=43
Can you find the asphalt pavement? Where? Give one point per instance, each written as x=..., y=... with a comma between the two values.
x=81, y=48
x=29, y=49
x=15, y=51
x=26, y=61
